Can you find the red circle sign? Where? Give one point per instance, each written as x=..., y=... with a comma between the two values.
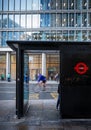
x=81, y=68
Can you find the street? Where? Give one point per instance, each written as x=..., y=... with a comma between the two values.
x=8, y=91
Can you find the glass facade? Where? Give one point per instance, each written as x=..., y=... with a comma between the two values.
x=63, y=20
x=55, y=20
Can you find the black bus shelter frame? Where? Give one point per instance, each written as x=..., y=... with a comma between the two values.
x=64, y=48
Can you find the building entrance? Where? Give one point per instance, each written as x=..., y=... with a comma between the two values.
x=75, y=75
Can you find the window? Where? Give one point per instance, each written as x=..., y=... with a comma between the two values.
x=78, y=20
x=5, y=5
x=71, y=35
x=46, y=4
x=17, y=24
x=4, y=22
x=89, y=19
x=71, y=20
x=84, y=35
x=29, y=4
x=35, y=4
x=58, y=20
x=0, y=4
x=28, y=21
x=0, y=22
x=84, y=4
x=10, y=35
x=65, y=4
x=4, y=38
x=64, y=20
x=71, y=4
x=36, y=21
x=23, y=4
x=84, y=19
x=10, y=21
x=11, y=5
x=89, y=4
x=17, y=5
x=78, y=4
x=23, y=21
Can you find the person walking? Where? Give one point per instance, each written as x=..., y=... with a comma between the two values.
x=26, y=78
x=8, y=77
x=59, y=96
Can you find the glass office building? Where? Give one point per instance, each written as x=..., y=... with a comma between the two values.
x=55, y=20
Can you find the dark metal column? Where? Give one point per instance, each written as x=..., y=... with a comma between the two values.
x=19, y=82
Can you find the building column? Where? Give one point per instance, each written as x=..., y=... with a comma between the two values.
x=44, y=64
x=7, y=63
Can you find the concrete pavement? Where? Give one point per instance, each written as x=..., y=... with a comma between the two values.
x=42, y=115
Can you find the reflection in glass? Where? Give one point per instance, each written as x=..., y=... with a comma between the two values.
x=28, y=21
x=71, y=20
x=35, y=4
x=23, y=21
x=0, y=22
x=11, y=5
x=0, y=39
x=71, y=4
x=10, y=35
x=84, y=19
x=89, y=35
x=89, y=4
x=78, y=19
x=26, y=79
x=4, y=38
x=53, y=20
x=16, y=36
x=78, y=4
x=4, y=22
x=0, y=4
x=64, y=20
x=89, y=19
x=84, y=4
x=17, y=5
x=71, y=35
x=23, y=4
x=45, y=4
x=65, y=4
x=53, y=4
x=36, y=21
x=10, y=21
x=5, y=5
x=59, y=35
x=29, y=4
x=58, y=20
x=78, y=35
x=65, y=35
x=45, y=20
x=84, y=35
x=16, y=21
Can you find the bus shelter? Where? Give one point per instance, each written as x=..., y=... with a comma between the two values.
x=75, y=75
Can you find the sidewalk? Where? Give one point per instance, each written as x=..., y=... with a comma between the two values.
x=31, y=82
x=42, y=115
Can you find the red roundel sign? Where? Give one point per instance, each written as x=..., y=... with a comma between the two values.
x=81, y=68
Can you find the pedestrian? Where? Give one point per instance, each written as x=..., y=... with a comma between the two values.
x=57, y=77
x=2, y=76
x=42, y=81
x=26, y=78
x=8, y=77
x=59, y=97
